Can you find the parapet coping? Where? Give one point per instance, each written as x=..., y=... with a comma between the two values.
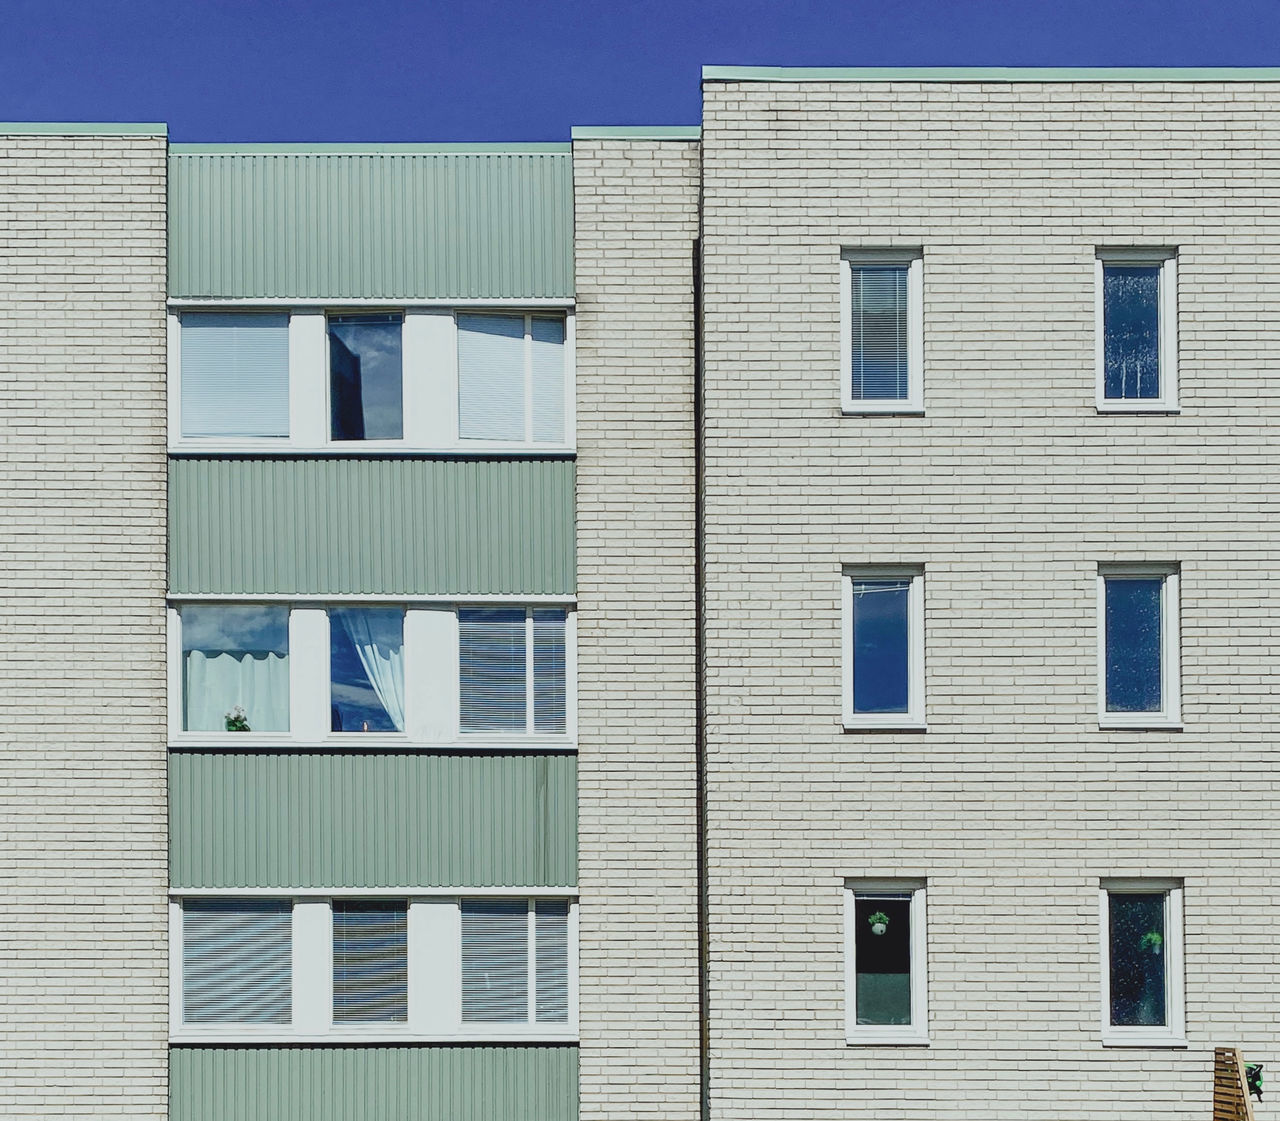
x=82, y=128
x=490, y=149
x=991, y=74
x=636, y=132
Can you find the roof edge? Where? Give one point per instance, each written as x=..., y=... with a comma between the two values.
x=991, y=74
x=83, y=128
x=636, y=132
x=492, y=149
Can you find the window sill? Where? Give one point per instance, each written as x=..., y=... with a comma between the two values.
x=903, y=725
x=283, y=447
x=902, y=409
x=1113, y=1038
x=372, y=1034
x=1149, y=723
x=1135, y=407
x=887, y=1038
x=362, y=741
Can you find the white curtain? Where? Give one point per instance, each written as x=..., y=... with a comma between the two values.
x=217, y=681
x=382, y=657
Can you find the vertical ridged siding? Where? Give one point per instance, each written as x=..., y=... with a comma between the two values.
x=303, y=820
x=340, y=526
x=460, y=1083
x=395, y=225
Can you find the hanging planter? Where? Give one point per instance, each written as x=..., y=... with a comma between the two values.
x=879, y=922
x=1152, y=942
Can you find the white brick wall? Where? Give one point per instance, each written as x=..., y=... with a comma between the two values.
x=1009, y=490
x=82, y=580
x=636, y=219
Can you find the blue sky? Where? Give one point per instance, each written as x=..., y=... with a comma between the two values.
x=429, y=70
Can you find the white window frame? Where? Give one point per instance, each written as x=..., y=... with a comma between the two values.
x=914, y=718
x=1166, y=260
x=1169, y=715
x=432, y=677
x=913, y=403
x=917, y=1032
x=429, y=379
x=570, y=684
x=434, y=972
x=1173, y=1033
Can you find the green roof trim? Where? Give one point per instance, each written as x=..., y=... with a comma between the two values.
x=636, y=132
x=83, y=128
x=991, y=74
x=497, y=149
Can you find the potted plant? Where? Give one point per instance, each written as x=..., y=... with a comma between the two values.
x=236, y=720
x=1152, y=942
x=879, y=922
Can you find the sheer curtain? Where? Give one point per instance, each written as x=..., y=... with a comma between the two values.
x=381, y=655
x=217, y=681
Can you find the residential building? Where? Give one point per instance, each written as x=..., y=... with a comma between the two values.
x=760, y=620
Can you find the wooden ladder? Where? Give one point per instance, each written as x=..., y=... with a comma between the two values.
x=1230, y=1090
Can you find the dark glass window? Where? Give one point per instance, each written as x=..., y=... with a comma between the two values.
x=1133, y=643
x=1138, y=958
x=882, y=956
x=1131, y=331
x=881, y=646
x=366, y=669
x=366, y=396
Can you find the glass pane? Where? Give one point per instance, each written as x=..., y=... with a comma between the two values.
x=235, y=669
x=552, y=960
x=1133, y=644
x=495, y=961
x=1137, y=958
x=548, y=380
x=881, y=637
x=235, y=374
x=237, y=961
x=880, y=332
x=549, y=671
x=366, y=397
x=366, y=660
x=491, y=361
x=370, y=962
x=491, y=665
x=1131, y=331
x=882, y=954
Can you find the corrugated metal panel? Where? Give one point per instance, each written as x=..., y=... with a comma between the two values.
x=341, y=526
x=362, y=820
x=529, y=1083
x=394, y=225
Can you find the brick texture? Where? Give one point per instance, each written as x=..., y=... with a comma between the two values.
x=1009, y=491
x=636, y=219
x=82, y=580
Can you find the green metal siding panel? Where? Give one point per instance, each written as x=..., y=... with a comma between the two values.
x=340, y=526
x=459, y=1083
x=357, y=820
x=383, y=225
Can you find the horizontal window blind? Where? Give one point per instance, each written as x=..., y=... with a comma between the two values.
x=235, y=374
x=552, y=960
x=370, y=962
x=879, y=317
x=491, y=373
x=492, y=670
x=548, y=379
x=495, y=961
x=549, y=671
x=236, y=961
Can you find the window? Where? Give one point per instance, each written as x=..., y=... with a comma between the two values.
x=366, y=398
x=1142, y=962
x=1138, y=648
x=882, y=345
x=885, y=961
x=370, y=961
x=310, y=675
x=236, y=962
x=512, y=670
x=1137, y=314
x=884, y=645
x=429, y=379
x=511, y=373
x=515, y=961
x=235, y=669
x=366, y=674
x=438, y=967
x=234, y=372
